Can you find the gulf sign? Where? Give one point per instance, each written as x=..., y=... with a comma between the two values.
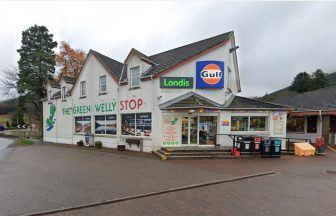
x=209, y=74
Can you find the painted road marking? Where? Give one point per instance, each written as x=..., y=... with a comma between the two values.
x=331, y=149
x=170, y=190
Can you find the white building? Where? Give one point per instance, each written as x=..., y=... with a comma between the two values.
x=181, y=97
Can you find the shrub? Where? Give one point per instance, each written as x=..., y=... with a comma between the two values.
x=80, y=143
x=98, y=144
x=25, y=142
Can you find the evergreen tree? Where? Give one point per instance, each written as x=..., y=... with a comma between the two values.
x=36, y=65
x=17, y=118
x=319, y=80
x=301, y=82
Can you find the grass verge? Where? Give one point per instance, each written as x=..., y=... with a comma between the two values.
x=24, y=142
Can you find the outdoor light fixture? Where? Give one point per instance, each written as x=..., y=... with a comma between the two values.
x=191, y=111
x=233, y=49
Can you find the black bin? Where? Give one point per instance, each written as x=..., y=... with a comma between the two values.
x=276, y=148
x=266, y=148
x=246, y=144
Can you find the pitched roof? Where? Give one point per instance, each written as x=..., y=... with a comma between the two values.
x=192, y=100
x=188, y=101
x=320, y=99
x=171, y=58
x=238, y=102
x=113, y=66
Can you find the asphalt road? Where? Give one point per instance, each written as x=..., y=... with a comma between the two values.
x=42, y=178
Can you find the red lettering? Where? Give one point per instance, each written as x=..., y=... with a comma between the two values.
x=121, y=105
x=139, y=103
x=126, y=104
x=132, y=104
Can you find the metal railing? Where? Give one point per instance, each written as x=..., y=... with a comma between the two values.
x=288, y=139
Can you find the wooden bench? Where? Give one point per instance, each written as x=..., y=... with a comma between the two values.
x=134, y=141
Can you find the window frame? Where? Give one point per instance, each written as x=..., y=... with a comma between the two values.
x=308, y=129
x=267, y=124
x=100, y=84
x=292, y=118
x=136, y=124
x=63, y=93
x=83, y=84
x=132, y=77
x=82, y=131
x=105, y=123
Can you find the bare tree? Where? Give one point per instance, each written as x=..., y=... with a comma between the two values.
x=8, y=81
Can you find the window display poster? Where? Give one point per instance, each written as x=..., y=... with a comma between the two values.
x=144, y=124
x=111, y=124
x=100, y=124
x=128, y=124
x=171, y=131
x=278, y=127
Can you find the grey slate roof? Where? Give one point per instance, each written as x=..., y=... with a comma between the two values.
x=170, y=58
x=320, y=99
x=164, y=60
x=238, y=102
x=192, y=100
x=114, y=67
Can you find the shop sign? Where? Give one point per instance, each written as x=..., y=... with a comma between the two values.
x=171, y=131
x=106, y=107
x=209, y=74
x=176, y=82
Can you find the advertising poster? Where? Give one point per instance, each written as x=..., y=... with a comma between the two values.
x=128, y=124
x=144, y=124
x=278, y=127
x=171, y=131
x=100, y=124
x=111, y=124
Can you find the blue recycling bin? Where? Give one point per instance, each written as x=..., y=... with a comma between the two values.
x=266, y=148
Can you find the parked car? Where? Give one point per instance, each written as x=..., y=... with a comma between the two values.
x=2, y=128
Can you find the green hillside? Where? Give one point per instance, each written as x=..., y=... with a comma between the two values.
x=288, y=92
x=8, y=106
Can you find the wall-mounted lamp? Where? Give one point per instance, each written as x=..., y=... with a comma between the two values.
x=233, y=49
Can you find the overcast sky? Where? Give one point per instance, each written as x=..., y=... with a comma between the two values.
x=277, y=39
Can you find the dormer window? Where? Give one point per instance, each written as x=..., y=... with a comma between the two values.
x=82, y=89
x=135, y=77
x=102, y=84
x=63, y=93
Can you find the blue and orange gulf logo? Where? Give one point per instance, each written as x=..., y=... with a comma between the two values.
x=209, y=74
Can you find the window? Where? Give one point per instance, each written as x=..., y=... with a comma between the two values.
x=311, y=124
x=332, y=124
x=63, y=93
x=136, y=124
x=106, y=124
x=295, y=124
x=249, y=123
x=102, y=84
x=258, y=123
x=135, y=77
x=239, y=123
x=83, y=124
x=83, y=89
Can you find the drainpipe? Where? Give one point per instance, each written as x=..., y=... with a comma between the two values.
x=117, y=105
x=153, y=108
x=321, y=120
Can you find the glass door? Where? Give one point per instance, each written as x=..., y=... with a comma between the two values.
x=189, y=130
x=207, y=130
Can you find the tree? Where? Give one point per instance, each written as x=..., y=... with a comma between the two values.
x=36, y=66
x=319, y=80
x=18, y=117
x=301, y=82
x=9, y=81
x=70, y=60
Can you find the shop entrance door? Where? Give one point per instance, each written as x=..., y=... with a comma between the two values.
x=189, y=130
x=199, y=130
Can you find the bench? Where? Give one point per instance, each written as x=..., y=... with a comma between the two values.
x=131, y=142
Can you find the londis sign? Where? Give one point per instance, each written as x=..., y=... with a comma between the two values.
x=176, y=82
x=209, y=74
x=106, y=107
